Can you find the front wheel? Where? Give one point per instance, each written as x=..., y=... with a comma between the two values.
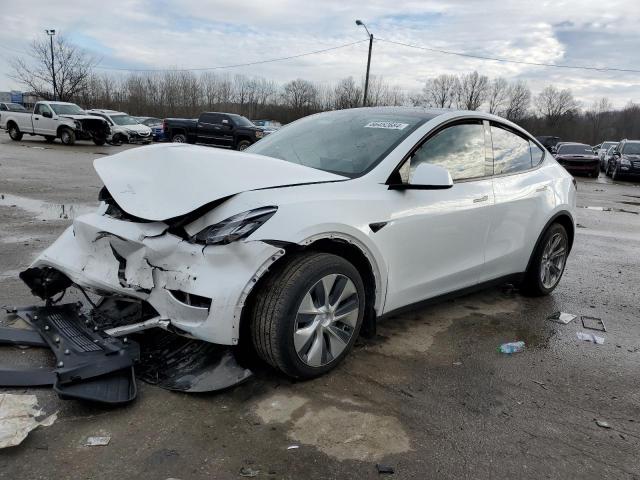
x=548, y=262
x=615, y=174
x=67, y=136
x=15, y=133
x=306, y=316
x=99, y=141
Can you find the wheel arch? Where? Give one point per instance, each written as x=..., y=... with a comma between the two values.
x=62, y=127
x=12, y=122
x=565, y=219
x=338, y=244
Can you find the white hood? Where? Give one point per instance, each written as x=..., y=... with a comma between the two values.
x=82, y=117
x=164, y=181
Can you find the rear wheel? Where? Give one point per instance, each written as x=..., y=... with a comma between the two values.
x=67, y=136
x=15, y=133
x=306, y=317
x=243, y=144
x=179, y=138
x=99, y=141
x=548, y=262
x=49, y=138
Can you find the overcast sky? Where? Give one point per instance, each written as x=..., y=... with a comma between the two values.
x=206, y=33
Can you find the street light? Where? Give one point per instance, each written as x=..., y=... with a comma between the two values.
x=366, y=79
x=51, y=33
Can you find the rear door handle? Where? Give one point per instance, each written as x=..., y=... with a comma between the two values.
x=481, y=199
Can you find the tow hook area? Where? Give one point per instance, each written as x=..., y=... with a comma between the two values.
x=94, y=365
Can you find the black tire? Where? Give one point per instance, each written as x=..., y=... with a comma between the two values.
x=49, y=138
x=275, y=308
x=99, y=141
x=179, y=138
x=15, y=133
x=532, y=284
x=67, y=136
x=615, y=175
x=596, y=172
x=242, y=145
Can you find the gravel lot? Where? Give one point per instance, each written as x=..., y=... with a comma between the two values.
x=430, y=396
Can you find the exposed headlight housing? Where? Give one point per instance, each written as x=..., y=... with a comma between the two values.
x=625, y=162
x=234, y=228
x=77, y=124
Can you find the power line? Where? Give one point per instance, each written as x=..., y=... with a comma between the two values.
x=220, y=67
x=505, y=60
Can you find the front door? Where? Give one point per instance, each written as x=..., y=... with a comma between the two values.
x=44, y=125
x=435, y=240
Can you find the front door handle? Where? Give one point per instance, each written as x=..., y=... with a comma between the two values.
x=481, y=199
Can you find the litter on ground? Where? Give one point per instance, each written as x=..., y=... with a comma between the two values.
x=18, y=416
x=593, y=323
x=511, y=347
x=561, y=317
x=97, y=441
x=590, y=337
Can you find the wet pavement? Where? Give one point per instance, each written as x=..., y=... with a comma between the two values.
x=430, y=396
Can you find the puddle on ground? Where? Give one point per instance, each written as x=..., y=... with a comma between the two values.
x=45, y=210
x=339, y=432
x=609, y=209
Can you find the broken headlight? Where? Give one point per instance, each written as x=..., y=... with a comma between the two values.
x=234, y=228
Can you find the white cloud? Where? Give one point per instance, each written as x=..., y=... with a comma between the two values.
x=194, y=33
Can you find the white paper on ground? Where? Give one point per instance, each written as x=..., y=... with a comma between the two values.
x=18, y=417
x=590, y=337
x=97, y=441
x=562, y=317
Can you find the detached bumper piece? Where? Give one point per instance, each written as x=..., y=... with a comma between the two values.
x=90, y=365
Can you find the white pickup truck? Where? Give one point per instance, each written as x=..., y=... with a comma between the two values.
x=66, y=121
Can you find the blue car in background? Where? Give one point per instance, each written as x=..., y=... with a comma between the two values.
x=155, y=124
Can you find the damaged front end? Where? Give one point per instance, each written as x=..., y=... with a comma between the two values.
x=95, y=129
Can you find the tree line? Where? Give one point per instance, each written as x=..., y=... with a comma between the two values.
x=179, y=93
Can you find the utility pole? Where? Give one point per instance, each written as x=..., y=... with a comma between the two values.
x=51, y=33
x=366, y=78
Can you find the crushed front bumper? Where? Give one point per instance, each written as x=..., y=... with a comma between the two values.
x=200, y=290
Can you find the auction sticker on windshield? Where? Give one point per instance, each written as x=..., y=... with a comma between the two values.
x=387, y=125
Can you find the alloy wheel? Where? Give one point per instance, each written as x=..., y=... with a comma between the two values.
x=553, y=260
x=326, y=320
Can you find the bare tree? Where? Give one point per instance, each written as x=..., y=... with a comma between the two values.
x=300, y=95
x=518, y=101
x=347, y=94
x=439, y=92
x=471, y=91
x=498, y=95
x=72, y=67
x=597, y=116
x=554, y=104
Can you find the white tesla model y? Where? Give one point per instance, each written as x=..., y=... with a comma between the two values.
x=329, y=223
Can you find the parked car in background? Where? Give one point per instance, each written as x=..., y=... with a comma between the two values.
x=549, y=142
x=607, y=157
x=214, y=128
x=124, y=127
x=338, y=219
x=601, y=151
x=155, y=124
x=11, y=107
x=63, y=120
x=578, y=158
x=625, y=160
x=268, y=126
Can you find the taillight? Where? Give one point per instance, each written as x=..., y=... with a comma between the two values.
x=165, y=125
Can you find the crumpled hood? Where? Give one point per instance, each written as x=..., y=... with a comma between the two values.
x=83, y=117
x=164, y=181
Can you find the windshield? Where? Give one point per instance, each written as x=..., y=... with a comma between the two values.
x=575, y=150
x=346, y=142
x=66, y=109
x=241, y=121
x=631, y=148
x=606, y=145
x=15, y=107
x=151, y=122
x=124, y=120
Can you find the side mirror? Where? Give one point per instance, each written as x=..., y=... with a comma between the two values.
x=426, y=176
x=47, y=114
x=616, y=154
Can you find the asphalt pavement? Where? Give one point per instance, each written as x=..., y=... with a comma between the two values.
x=429, y=396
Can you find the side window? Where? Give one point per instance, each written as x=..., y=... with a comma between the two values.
x=38, y=110
x=211, y=118
x=511, y=152
x=459, y=148
x=537, y=154
x=3, y=107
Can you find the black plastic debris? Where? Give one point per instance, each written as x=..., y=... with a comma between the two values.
x=90, y=365
x=593, y=323
x=385, y=469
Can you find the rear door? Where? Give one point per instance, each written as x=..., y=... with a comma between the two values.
x=436, y=239
x=210, y=129
x=523, y=200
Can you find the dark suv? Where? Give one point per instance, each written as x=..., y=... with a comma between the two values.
x=625, y=160
x=213, y=128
